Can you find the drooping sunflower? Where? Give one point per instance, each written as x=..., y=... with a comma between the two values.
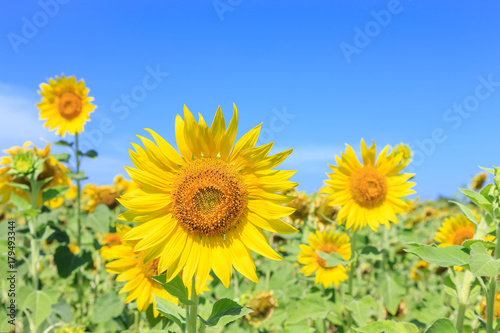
x=370, y=192
x=455, y=230
x=51, y=168
x=203, y=209
x=130, y=266
x=65, y=105
x=478, y=181
x=329, y=242
x=262, y=304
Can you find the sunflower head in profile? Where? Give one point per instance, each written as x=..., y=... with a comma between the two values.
x=204, y=208
x=262, y=304
x=455, y=230
x=65, y=105
x=370, y=192
x=94, y=195
x=20, y=161
x=478, y=181
x=327, y=242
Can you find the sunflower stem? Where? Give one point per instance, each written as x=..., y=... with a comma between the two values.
x=32, y=227
x=490, y=305
x=79, y=225
x=193, y=309
x=354, y=236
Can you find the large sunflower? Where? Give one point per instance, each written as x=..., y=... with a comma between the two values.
x=203, y=209
x=329, y=242
x=455, y=230
x=370, y=192
x=51, y=168
x=65, y=105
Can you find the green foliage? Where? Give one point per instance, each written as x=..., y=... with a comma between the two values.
x=107, y=307
x=442, y=325
x=482, y=263
x=443, y=256
x=388, y=326
x=225, y=311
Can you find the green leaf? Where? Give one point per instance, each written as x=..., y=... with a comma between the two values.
x=225, y=311
x=332, y=259
x=311, y=308
x=77, y=176
x=171, y=311
x=61, y=157
x=361, y=309
x=487, y=190
x=391, y=292
x=53, y=192
x=482, y=263
x=91, y=154
x=20, y=203
x=100, y=219
x=388, y=326
x=371, y=252
x=63, y=143
x=468, y=213
x=39, y=306
x=487, y=244
x=442, y=325
x=478, y=199
x=107, y=307
x=23, y=187
x=67, y=262
x=454, y=255
x=175, y=288
x=492, y=171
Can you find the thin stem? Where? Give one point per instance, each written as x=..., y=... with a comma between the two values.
x=136, y=321
x=490, y=307
x=354, y=236
x=32, y=227
x=79, y=225
x=193, y=309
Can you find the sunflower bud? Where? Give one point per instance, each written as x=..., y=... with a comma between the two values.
x=23, y=163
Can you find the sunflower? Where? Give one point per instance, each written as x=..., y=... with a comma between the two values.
x=301, y=204
x=113, y=239
x=123, y=186
x=65, y=105
x=324, y=213
x=415, y=271
x=370, y=192
x=51, y=168
x=479, y=180
x=94, y=195
x=405, y=150
x=456, y=230
x=329, y=242
x=131, y=267
x=262, y=304
x=203, y=209
x=496, y=307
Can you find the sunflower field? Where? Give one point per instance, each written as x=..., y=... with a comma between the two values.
x=210, y=235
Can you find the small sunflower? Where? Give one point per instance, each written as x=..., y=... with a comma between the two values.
x=329, y=242
x=416, y=270
x=405, y=150
x=113, y=239
x=65, y=105
x=124, y=186
x=478, y=181
x=370, y=192
x=455, y=230
x=94, y=195
x=300, y=203
x=51, y=168
x=262, y=304
x=324, y=213
x=130, y=266
x=203, y=209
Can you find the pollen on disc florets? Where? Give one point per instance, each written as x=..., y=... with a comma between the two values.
x=69, y=105
x=209, y=197
x=368, y=187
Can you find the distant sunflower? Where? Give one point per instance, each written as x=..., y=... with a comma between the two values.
x=113, y=239
x=65, y=105
x=94, y=195
x=51, y=168
x=262, y=304
x=130, y=266
x=370, y=192
x=479, y=180
x=405, y=150
x=416, y=270
x=496, y=307
x=123, y=186
x=329, y=242
x=203, y=209
x=455, y=230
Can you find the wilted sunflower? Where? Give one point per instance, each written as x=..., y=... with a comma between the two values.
x=65, y=105
x=130, y=266
x=479, y=180
x=203, y=209
x=262, y=304
x=370, y=192
x=329, y=242
x=94, y=195
x=51, y=168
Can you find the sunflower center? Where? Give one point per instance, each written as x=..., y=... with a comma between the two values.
x=461, y=235
x=368, y=187
x=209, y=197
x=149, y=268
x=70, y=105
x=327, y=248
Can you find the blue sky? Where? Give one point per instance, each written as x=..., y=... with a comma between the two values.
x=317, y=74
